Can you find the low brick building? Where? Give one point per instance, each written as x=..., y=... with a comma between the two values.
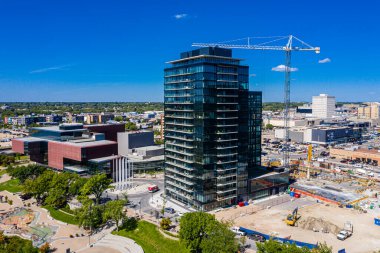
x=362, y=154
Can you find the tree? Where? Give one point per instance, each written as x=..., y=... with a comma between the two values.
x=118, y=118
x=130, y=126
x=26, y=172
x=2, y=237
x=114, y=211
x=96, y=185
x=271, y=246
x=269, y=127
x=165, y=223
x=201, y=232
x=219, y=239
x=39, y=187
x=89, y=216
x=45, y=248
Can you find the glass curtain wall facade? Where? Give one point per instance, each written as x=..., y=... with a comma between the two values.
x=206, y=128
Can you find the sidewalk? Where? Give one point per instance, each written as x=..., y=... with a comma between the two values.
x=157, y=203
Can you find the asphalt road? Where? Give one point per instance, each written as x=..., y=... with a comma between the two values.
x=141, y=199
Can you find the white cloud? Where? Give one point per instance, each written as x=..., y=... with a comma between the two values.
x=181, y=16
x=326, y=60
x=43, y=70
x=282, y=68
x=252, y=75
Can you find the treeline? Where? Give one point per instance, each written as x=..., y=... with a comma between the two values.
x=26, y=108
x=56, y=190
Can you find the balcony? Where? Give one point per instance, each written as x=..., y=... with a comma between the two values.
x=179, y=166
x=226, y=110
x=224, y=140
x=221, y=191
x=182, y=187
x=179, y=130
x=179, y=145
x=180, y=179
x=221, y=132
x=221, y=198
x=178, y=110
x=179, y=173
x=179, y=138
x=180, y=103
x=226, y=147
x=178, y=124
x=225, y=169
x=178, y=116
x=225, y=183
x=178, y=152
x=181, y=193
x=179, y=158
x=225, y=162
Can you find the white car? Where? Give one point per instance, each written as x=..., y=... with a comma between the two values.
x=237, y=231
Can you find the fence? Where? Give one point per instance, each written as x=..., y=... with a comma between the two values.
x=283, y=240
x=260, y=206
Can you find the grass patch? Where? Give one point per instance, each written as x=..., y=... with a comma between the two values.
x=151, y=240
x=170, y=234
x=23, y=157
x=68, y=210
x=58, y=215
x=12, y=185
x=3, y=171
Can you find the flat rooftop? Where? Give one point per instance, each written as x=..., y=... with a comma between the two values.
x=91, y=143
x=155, y=147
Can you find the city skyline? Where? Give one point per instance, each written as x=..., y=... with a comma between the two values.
x=91, y=51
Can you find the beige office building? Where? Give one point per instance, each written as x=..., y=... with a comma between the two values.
x=370, y=110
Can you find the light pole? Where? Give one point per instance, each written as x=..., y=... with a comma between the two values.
x=89, y=235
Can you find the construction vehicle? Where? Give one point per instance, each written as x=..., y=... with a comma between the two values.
x=346, y=231
x=292, y=218
x=272, y=163
x=289, y=47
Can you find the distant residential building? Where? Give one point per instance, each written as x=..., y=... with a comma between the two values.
x=105, y=117
x=370, y=110
x=304, y=109
x=323, y=106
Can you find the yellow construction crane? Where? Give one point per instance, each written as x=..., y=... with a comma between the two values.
x=272, y=44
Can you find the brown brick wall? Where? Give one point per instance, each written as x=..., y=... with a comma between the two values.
x=18, y=146
x=58, y=150
x=110, y=131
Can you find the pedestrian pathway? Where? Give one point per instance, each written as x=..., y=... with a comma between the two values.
x=119, y=243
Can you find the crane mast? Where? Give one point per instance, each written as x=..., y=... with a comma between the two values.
x=272, y=45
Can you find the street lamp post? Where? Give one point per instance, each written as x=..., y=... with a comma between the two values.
x=89, y=235
x=140, y=206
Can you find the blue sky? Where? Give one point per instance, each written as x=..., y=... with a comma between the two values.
x=92, y=50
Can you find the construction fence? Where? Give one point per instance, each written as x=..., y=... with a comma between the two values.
x=253, y=208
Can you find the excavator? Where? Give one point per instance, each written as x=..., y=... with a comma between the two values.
x=292, y=218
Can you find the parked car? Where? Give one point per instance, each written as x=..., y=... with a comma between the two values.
x=237, y=231
x=258, y=238
x=169, y=210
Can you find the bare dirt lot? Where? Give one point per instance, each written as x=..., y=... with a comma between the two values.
x=365, y=238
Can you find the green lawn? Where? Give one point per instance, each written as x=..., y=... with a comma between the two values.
x=3, y=171
x=58, y=215
x=12, y=185
x=150, y=239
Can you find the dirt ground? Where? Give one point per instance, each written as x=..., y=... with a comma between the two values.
x=366, y=236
